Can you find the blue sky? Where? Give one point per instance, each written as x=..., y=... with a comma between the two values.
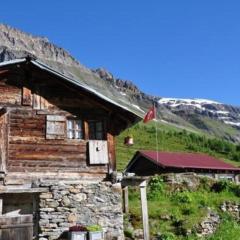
x=168, y=48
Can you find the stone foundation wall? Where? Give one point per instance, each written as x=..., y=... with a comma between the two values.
x=80, y=202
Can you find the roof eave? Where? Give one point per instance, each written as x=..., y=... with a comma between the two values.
x=137, y=116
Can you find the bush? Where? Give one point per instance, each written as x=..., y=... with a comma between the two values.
x=168, y=236
x=205, y=183
x=187, y=211
x=236, y=190
x=235, y=156
x=221, y=186
x=128, y=233
x=225, y=185
x=156, y=187
x=183, y=197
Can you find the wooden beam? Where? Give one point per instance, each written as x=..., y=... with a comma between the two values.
x=133, y=181
x=125, y=200
x=22, y=190
x=86, y=130
x=1, y=206
x=4, y=71
x=143, y=192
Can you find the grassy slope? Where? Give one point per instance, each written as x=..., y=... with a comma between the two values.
x=145, y=138
x=173, y=139
x=184, y=214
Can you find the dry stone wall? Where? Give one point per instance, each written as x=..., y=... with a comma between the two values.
x=85, y=203
x=231, y=207
x=209, y=225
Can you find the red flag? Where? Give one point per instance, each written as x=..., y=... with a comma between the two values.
x=151, y=114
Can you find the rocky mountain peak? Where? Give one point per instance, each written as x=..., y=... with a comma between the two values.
x=123, y=85
x=17, y=44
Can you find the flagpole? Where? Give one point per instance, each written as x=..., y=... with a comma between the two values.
x=156, y=131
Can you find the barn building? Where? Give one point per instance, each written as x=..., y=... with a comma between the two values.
x=57, y=153
x=148, y=163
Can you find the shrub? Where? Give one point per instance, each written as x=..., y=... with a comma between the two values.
x=235, y=156
x=168, y=236
x=128, y=233
x=183, y=197
x=156, y=187
x=221, y=186
x=225, y=185
x=236, y=190
x=205, y=183
x=187, y=211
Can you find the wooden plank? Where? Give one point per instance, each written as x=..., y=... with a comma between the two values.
x=21, y=190
x=3, y=142
x=36, y=101
x=143, y=193
x=1, y=206
x=17, y=228
x=133, y=181
x=22, y=225
x=56, y=118
x=86, y=130
x=125, y=200
x=111, y=153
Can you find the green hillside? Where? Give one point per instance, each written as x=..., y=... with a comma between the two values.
x=185, y=208
x=173, y=139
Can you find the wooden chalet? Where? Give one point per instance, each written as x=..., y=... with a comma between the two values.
x=54, y=131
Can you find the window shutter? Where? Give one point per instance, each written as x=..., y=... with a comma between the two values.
x=98, y=152
x=26, y=97
x=55, y=127
x=39, y=102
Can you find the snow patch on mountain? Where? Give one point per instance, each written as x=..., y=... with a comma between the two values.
x=233, y=123
x=193, y=101
x=205, y=107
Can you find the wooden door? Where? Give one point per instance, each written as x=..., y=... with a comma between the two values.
x=16, y=228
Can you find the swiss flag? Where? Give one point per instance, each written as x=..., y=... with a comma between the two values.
x=151, y=114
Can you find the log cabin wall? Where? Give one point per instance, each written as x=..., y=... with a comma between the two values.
x=29, y=100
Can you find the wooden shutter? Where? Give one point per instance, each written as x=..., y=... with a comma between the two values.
x=55, y=127
x=26, y=97
x=39, y=102
x=36, y=101
x=98, y=152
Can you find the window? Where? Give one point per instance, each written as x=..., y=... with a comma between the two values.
x=74, y=129
x=96, y=130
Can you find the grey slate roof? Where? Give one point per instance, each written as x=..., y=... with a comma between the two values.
x=67, y=75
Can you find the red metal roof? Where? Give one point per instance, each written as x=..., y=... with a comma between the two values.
x=187, y=160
